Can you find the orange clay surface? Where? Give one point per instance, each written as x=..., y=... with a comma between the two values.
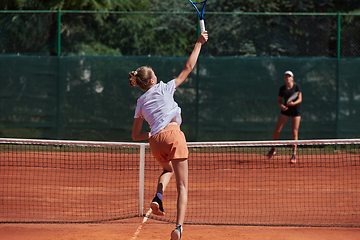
x=154, y=230
x=305, y=173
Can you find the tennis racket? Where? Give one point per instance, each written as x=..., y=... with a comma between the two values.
x=201, y=12
x=292, y=97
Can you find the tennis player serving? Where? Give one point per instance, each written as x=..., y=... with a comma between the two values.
x=167, y=142
x=291, y=92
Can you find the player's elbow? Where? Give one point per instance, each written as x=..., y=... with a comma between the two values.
x=135, y=137
x=189, y=67
x=141, y=136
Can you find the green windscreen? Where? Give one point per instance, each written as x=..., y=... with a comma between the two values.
x=223, y=99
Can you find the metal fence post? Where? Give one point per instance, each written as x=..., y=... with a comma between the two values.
x=58, y=76
x=338, y=76
x=59, y=33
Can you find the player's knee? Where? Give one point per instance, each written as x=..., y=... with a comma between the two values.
x=182, y=187
x=167, y=171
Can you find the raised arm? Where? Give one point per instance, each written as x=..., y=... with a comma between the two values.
x=190, y=63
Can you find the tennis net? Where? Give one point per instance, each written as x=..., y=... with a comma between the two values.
x=230, y=183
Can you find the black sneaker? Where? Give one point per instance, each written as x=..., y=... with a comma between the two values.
x=293, y=159
x=271, y=153
x=157, y=207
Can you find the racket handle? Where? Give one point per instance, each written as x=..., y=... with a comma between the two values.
x=202, y=25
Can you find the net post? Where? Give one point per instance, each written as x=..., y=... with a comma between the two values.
x=141, y=178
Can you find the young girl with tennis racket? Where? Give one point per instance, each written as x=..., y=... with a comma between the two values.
x=167, y=141
x=290, y=108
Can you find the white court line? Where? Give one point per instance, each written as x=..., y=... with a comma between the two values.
x=140, y=226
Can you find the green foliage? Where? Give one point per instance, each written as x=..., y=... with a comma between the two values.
x=169, y=34
x=95, y=5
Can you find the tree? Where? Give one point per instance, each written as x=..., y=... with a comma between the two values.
x=167, y=34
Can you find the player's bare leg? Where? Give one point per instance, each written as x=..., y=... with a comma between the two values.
x=295, y=124
x=279, y=126
x=181, y=174
x=156, y=204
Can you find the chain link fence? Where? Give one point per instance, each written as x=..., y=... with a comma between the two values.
x=30, y=33
x=83, y=93
x=69, y=33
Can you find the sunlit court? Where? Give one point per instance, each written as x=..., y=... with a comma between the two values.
x=102, y=190
x=180, y=120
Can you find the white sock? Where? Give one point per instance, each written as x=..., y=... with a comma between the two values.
x=181, y=228
x=159, y=195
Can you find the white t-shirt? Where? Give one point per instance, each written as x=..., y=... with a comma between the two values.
x=158, y=107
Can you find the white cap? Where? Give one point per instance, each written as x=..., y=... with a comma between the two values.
x=289, y=73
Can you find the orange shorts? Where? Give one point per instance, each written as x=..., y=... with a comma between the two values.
x=169, y=144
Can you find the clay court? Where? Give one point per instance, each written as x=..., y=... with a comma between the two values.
x=71, y=194
x=156, y=230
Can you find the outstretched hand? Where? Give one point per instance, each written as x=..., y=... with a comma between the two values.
x=203, y=37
